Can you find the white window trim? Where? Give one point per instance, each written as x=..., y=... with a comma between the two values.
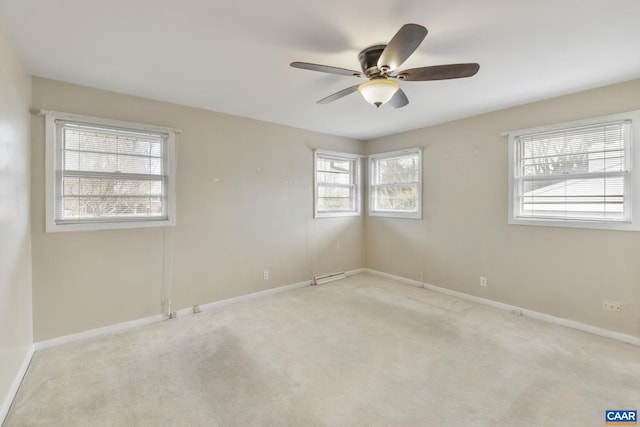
x=358, y=183
x=50, y=171
x=389, y=154
x=632, y=179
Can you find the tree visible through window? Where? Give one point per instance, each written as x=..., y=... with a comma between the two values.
x=111, y=173
x=337, y=184
x=578, y=174
x=395, y=184
x=572, y=174
x=104, y=173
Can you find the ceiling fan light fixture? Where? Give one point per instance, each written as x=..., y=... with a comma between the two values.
x=379, y=60
x=378, y=91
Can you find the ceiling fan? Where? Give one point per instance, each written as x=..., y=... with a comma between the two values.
x=379, y=64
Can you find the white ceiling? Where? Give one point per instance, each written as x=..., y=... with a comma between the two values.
x=233, y=56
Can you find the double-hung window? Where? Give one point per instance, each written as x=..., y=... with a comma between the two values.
x=395, y=184
x=108, y=174
x=575, y=174
x=337, y=184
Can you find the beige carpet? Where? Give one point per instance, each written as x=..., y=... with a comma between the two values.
x=364, y=351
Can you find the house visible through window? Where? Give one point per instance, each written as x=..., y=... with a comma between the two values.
x=337, y=184
x=105, y=174
x=395, y=184
x=574, y=173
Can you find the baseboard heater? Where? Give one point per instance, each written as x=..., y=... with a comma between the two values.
x=321, y=280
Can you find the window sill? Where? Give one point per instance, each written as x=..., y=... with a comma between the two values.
x=336, y=214
x=397, y=215
x=52, y=227
x=596, y=225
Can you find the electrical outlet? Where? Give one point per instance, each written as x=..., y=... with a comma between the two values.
x=265, y=275
x=483, y=281
x=611, y=305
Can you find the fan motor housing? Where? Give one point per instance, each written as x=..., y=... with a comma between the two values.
x=369, y=60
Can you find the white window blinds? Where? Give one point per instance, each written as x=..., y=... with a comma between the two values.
x=108, y=174
x=578, y=173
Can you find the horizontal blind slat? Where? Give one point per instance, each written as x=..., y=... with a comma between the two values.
x=110, y=174
x=573, y=173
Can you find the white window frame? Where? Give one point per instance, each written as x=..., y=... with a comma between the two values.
x=52, y=143
x=631, y=178
x=372, y=183
x=356, y=178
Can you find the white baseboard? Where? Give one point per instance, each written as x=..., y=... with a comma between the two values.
x=394, y=277
x=515, y=309
x=356, y=271
x=121, y=327
x=15, y=385
x=248, y=297
x=99, y=332
x=125, y=326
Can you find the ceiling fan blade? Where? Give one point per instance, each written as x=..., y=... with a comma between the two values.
x=326, y=69
x=401, y=46
x=399, y=99
x=439, y=72
x=338, y=95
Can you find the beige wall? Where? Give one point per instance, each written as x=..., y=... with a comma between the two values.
x=245, y=202
x=244, y=205
x=15, y=243
x=464, y=234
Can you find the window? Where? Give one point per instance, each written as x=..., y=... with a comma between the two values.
x=576, y=174
x=108, y=174
x=337, y=184
x=395, y=184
